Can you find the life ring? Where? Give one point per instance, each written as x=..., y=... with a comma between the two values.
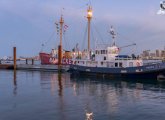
x=64, y=60
x=138, y=63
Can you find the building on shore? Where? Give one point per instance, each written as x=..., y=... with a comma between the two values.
x=157, y=54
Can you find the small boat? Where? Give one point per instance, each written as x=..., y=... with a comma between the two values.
x=106, y=61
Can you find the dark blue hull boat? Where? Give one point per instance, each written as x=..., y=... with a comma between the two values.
x=146, y=71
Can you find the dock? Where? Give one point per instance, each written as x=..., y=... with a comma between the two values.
x=6, y=66
x=39, y=67
x=33, y=65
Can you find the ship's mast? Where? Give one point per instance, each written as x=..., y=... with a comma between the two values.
x=60, y=46
x=89, y=17
x=61, y=30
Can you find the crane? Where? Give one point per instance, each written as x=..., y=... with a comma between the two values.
x=127, y=45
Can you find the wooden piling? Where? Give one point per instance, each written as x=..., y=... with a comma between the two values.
x=32, y=61
x=15, y=58
x=26, y=61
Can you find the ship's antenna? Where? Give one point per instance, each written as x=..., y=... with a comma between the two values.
x=62, y=11
x=112, y=32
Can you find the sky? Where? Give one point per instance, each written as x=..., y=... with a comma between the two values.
x=27, y=24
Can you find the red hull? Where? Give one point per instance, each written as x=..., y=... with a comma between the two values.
x=47, y=59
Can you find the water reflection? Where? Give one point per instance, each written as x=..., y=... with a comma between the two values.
x=115, y=92
x=49, y=95
x=60, y=84
x=53, y=81
x=15, y=82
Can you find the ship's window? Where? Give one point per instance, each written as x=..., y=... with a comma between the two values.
x=104, y=58
x=111, y=64
x=102, y=51
x=120, y=65
x=130, y=64
x=105, y=51
x=96, y=52
x=116, y=64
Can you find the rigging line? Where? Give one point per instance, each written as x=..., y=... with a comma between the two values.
x=66, y=42
x=82, y=7
x=92, y=37
x=135, y=49
x=43, y=44
x=98, y=33
x=90, y=2
x=83, y=45
x=58, y=42
x=124, y=36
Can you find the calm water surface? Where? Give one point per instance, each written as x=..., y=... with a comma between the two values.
x=32, y=95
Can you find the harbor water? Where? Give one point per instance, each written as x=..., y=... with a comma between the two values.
x=34, y=95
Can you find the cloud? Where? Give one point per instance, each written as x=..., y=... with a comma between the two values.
x=36, y=18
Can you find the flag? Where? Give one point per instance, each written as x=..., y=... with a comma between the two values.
x=65, y=28
x=57, y=27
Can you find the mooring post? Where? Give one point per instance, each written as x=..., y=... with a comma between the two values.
x=15, y=58
x=32, y=61
x=26, y=61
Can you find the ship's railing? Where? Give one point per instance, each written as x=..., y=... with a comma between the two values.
x=128, y=58
x=152, y=63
